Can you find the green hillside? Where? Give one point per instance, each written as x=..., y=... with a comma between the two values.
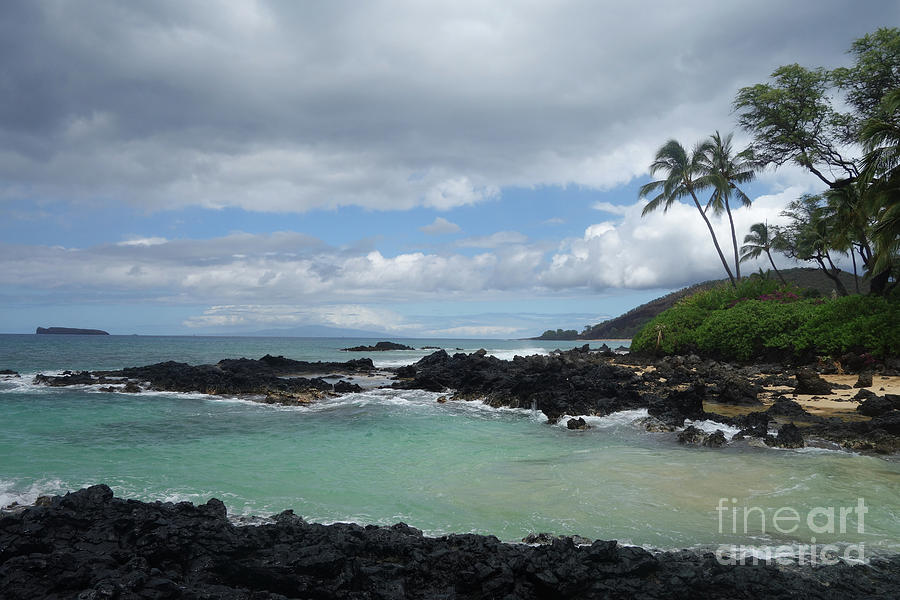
x=765, y=320
x=627, y=325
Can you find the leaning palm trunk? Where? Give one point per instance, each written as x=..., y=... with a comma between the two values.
x=774, y=268
x=737, y=261
x=714, y=239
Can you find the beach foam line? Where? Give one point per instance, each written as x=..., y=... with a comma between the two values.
x=14, y=491
x=616, y=419
x=709, y=426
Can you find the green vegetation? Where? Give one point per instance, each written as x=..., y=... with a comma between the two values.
x=843, y=126
x=628, y=324
x=559, y=334
x=762, y=318
x=759, y=240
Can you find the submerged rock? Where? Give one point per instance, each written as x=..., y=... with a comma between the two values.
x=691, y=435
x=789, y=436
x=715, y=439
x=680, y=405
x=67, y=378
x=578, y=423
x=694, y=436
x=344, y=387
x=754, y=424
x=89, y=544
x=654, y=425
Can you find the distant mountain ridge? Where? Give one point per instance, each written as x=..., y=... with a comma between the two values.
x=628, y=324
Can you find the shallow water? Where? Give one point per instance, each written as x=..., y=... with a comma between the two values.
x=384, y=456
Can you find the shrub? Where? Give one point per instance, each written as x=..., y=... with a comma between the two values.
x=853, y=324
x=760, y=317
x=752, y=327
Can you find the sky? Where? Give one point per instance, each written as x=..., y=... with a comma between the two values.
x=419, y=169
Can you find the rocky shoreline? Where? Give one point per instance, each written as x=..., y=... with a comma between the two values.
x=761, y=401
x=672, y=389
x=90, y=545
x=271, y=379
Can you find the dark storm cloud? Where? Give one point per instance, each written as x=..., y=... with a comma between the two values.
x=291, y=106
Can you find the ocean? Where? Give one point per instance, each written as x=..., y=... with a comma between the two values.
x=383, y=456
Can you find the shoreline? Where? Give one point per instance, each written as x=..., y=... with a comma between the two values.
x=672, y=390
x=579, y=382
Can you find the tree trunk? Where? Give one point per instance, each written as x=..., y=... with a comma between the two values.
x=832, y=275
x=777, y=272
x=737, y=262
x=713, y=234
x=878, y=287
x=855, y=275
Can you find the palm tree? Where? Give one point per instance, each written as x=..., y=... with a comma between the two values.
x=760, y=240
x=724, y=171
x=880, y=136
x=684, y=177
x=850, y=210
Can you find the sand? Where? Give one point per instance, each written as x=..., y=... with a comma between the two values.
x=836, y=404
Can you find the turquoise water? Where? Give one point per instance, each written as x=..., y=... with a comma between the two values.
x=384, y=456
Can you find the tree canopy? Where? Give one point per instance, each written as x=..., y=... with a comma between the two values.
x=843, y=126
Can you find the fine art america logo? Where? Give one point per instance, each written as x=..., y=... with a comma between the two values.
x=786, y=520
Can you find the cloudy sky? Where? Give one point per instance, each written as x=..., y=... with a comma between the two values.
x=452, y=169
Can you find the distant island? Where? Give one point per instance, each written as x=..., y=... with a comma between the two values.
x=626, y=326
x=69, y=331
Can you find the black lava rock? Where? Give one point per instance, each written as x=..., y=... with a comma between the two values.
x=864, y=380
x=789, y=436
x=876, y=405
x=809, y=382
x=379, y=347
x=785, y=407
x=738, y=390
x=89, y=544
x=578, y=423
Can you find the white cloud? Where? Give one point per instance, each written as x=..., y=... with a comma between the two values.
x=668, y=249
x=351, y=316
x=616, y=209
x=149, y=241
x=458, y=191
x=495, y=240
x=440, y=226
x=475, y=331
x=340, y=286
